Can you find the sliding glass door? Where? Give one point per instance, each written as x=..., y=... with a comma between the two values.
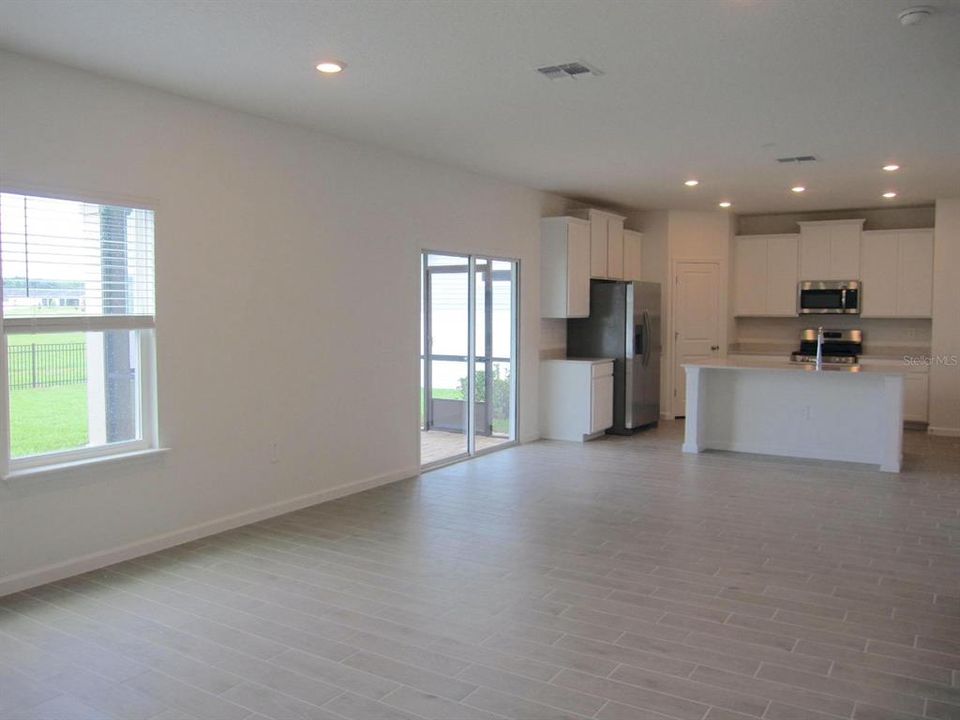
x=468, y=355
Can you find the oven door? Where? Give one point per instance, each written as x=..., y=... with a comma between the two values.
x=828, y=298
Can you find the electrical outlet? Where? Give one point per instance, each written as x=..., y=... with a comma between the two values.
x=273, y=453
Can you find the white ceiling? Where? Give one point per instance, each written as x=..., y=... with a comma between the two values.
x=715, y=89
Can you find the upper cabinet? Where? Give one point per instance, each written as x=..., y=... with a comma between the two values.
x=564, y=267
x=897, y=273
x=830, y=250
x=765, y=275
x=632, y=246
x=606, y=244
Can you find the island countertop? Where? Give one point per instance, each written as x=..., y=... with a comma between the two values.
x=746, y=363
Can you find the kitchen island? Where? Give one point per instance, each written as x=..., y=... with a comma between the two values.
x=851, y=414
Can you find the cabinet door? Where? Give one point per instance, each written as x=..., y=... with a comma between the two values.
x=632, y=248
x=781, y=274
x=815, y=253
x=598, y=245
x=578, y=270
x=879, y=268
x=750, y=275
x=915, y=280
x=844, y=253
x=915, y=397
x=601, y=403
x=615, y=248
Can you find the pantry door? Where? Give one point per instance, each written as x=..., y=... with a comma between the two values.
x=696, y=322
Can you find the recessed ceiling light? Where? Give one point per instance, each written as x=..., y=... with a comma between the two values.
x=891, y=168
x=798, y=189
x=331, y=67
x=692, y=183
x=889, y=195
x=725, y=204
x=915, y=15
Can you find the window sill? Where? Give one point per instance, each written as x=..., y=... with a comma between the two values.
x=54, y=469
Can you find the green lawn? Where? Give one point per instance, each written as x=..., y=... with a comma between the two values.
x=48, y=419
x=51, y=418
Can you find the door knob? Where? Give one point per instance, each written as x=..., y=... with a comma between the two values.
x=714, y=347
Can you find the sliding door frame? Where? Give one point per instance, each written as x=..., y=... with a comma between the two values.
x=471, y=358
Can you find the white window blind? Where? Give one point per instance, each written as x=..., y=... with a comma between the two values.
x=69, y=264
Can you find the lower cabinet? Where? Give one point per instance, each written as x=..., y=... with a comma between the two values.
x=576, y=398
x=916, y=399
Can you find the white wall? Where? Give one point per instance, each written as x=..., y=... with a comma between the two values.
x=670, y=236
x=288, y=301
x=945, y=345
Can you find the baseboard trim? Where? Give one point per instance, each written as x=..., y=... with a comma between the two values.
x=97, y=560
x=790, y=453
x=943, y=431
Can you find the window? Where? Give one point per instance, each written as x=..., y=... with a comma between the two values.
x=78, y=324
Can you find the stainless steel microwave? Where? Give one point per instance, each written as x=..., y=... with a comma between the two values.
x=829, y=297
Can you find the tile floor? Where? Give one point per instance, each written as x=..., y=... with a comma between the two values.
x=620, y=580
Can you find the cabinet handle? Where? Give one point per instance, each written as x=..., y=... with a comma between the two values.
x=714, y=347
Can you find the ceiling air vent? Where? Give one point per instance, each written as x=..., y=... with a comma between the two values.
x=798, y=159
x=569, y=70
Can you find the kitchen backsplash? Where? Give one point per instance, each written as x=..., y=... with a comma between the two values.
x=553, y=339
x=877, y=332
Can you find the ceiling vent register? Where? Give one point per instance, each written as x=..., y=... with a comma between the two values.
x=570, y=70
x=798, y=159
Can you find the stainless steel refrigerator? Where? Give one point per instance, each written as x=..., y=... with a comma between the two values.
x=624, y=324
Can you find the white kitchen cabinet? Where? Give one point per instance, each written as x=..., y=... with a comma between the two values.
x=880, y=261
x=782, y=274
x=897, y=273
x=830, y=249
x=601, y=402
x=615, y=248
x=606, y=244
x=916, y=391
x=750, y=275
x=916, y=397
x=564, y=267
x=632, y=255
x=915, y=277
x=576, y=398
x=765, y=275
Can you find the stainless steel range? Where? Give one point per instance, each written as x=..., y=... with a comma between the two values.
x=840, y=347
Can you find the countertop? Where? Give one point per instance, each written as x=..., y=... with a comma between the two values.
x=744, y=363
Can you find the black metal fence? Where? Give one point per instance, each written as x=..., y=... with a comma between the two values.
x=40, y=366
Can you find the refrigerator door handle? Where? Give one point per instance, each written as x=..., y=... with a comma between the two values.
x=645, y=330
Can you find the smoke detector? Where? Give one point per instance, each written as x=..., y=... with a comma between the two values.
x=915, y=15
x=570, y=70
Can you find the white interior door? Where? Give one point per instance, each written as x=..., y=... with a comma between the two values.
x=696, y=321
